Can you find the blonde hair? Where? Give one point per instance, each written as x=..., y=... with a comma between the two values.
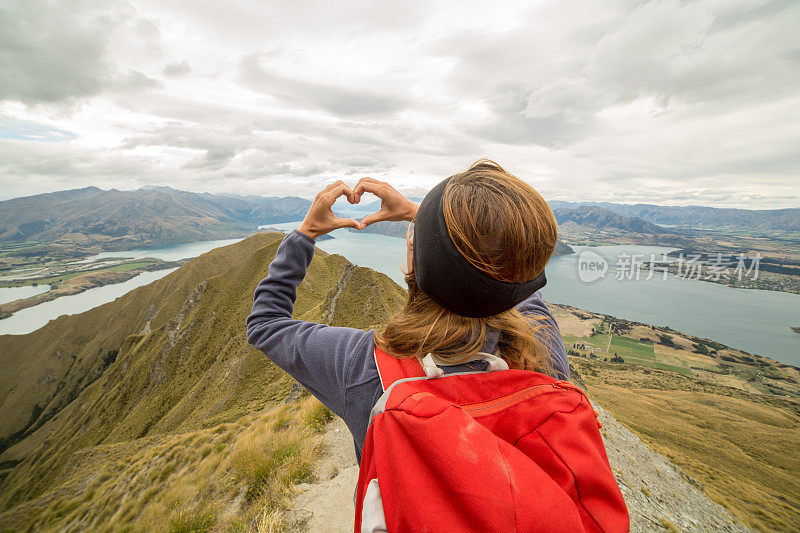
x=503, y=227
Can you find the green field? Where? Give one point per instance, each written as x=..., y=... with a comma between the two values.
x=627, y=347
x=631, y=350
x=596, y=344
x=13, y=248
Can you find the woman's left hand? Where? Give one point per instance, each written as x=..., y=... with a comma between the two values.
x=320, y=218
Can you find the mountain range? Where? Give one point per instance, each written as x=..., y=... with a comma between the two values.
x=92, y=219
x=595, y=217
x=700, y=217
x=691, y=216
x=122, y=220
x=569, y=217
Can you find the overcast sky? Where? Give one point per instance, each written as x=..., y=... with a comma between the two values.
x=671, y=102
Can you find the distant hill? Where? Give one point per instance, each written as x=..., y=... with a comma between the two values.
x=122, y=220
x=563, y=249
x=397, y=229
x=700, y=217
x=373, y=206
x=600, y=218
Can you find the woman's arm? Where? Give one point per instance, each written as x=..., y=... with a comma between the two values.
x=318, y=356
x=549, y=335
x=323, y=358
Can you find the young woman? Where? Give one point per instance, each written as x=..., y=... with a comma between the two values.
x=475, y=264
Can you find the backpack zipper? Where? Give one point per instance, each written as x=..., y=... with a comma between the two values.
x=498, y=404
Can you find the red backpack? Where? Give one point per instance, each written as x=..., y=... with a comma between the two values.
x=504, y=451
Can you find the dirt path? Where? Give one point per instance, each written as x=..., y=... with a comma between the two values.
x=343, y=281
x=327, y=505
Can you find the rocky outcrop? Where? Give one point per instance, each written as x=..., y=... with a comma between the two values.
x=330, y=307
x=563, y=249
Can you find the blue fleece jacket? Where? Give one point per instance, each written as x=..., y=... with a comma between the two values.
x=337, y=364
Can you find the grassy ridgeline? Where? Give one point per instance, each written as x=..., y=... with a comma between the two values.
x=110, y=439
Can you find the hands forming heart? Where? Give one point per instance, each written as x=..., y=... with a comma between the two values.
x=321, y=220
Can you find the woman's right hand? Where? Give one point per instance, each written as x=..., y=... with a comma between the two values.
x=394, y=206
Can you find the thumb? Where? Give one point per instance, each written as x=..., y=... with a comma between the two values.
x=347, y=223
x=371, y=219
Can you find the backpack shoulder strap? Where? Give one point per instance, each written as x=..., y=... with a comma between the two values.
x=391, y=369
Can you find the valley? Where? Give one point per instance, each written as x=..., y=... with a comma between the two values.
x=46, y=239
x=727, y=418
x=137, y=383
x=777, y=248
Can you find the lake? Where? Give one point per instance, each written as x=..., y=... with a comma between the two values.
x=752, y=320
x=9, y=294
x=33, y=318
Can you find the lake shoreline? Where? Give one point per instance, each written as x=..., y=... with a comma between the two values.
x=81, y=283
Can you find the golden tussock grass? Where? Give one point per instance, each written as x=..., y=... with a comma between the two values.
x=234, y=477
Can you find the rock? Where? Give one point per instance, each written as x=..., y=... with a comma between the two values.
x=295, y=393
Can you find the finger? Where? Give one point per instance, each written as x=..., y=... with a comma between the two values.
x=335, y=186
x=346, y=223
x=373, y=186
x=359, y=192
x=340, y=189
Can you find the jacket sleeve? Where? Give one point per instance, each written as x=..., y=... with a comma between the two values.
x=548, y=333
x=319, y=356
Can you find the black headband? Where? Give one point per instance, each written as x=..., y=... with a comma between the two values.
x=448, y=278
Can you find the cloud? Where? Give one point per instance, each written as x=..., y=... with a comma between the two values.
x=51, y=51
x=343, y=101
x=655, y=101
x=32, y=131
x=175, y=70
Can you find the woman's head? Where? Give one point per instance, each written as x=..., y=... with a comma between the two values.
x=503, y=228
x=499, y=223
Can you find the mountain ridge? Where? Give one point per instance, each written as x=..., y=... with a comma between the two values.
x=120, y=220
x=600, y=218
x=698, y=216
x=154, y=383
